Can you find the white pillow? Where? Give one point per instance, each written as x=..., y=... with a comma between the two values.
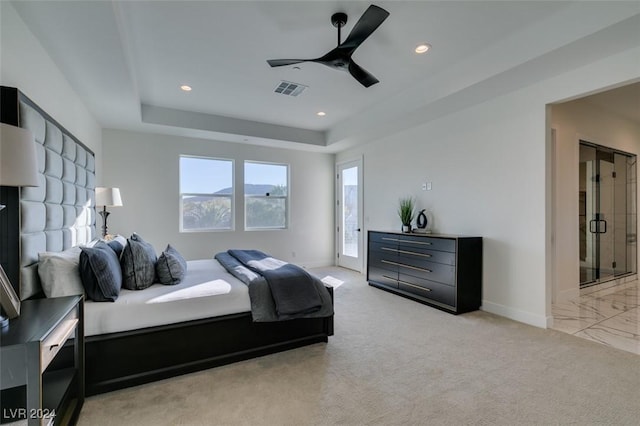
x=59, y=272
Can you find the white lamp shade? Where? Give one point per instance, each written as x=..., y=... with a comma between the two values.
x=109, y=197
x=18, y=160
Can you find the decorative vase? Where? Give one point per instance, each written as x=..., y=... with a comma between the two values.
x=406, y=228
x=422, y=220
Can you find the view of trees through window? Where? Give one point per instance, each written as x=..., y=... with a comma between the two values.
x=266, y=195
x=206, y=194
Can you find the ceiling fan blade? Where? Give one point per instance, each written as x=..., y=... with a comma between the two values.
x=284, y=62
x=361, y=75
x=330, y=58
x=367, y=24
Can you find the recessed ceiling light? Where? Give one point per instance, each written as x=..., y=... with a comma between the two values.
x=422, y=48
x=185, y=88
x=321, y=113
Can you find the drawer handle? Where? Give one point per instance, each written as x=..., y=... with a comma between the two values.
x=405, y=252
x=424, y=243
x=406, y=283
x=414, y=253
x=406, y=266
x=415, y=286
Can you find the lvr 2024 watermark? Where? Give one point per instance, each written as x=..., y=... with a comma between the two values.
x=31, y=413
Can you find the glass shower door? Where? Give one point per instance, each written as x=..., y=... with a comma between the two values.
x=603, y=224
x=587, y=214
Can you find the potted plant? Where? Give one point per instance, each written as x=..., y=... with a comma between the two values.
x=406, y=211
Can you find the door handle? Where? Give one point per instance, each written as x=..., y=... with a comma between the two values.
x=596, y=226
x=358, y=229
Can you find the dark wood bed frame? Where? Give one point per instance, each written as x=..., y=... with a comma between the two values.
x=119, y=360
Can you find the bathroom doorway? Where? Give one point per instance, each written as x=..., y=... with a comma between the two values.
x=607, y=214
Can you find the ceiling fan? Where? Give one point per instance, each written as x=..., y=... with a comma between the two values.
x=340, y=57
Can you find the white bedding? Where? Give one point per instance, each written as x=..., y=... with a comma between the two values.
x=208, y=290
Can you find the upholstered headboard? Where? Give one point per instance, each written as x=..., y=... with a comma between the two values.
x=59, y=213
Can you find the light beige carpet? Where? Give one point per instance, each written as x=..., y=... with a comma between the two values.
x=394, y=361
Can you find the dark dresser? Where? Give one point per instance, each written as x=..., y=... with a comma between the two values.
x=443, y=271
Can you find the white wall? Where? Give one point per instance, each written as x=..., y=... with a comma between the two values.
x=146, y=169
x=573, y=121
x=488, y=166
x=26, y=65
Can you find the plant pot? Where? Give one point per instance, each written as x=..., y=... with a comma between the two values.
x=406, y=229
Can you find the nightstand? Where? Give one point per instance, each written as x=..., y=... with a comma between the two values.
x=27, y=348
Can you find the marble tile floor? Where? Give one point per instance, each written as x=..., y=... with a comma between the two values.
x=610, y=316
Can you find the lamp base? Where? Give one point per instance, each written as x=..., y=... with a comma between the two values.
x=4, y=321
x=105, y=214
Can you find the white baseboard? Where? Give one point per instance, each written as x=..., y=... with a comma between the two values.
x=516, y=314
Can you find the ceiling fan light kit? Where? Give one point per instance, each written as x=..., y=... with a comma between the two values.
x=340, y=57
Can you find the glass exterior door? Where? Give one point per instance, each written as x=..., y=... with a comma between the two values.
x=349, y=213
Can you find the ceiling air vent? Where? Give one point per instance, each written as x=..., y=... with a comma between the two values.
x=290, y=89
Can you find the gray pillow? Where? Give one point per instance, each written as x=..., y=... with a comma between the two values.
x=138, y=264
x=118, y=243
x=171, y=267
x=100, y=272
x=59, y=272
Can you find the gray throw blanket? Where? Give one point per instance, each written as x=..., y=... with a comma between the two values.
x=278, y=290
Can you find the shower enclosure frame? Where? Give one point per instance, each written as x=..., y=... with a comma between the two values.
x=607, y=214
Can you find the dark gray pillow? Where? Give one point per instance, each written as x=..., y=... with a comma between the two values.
x=138, y=264
x=171, y=267
x=100, y=273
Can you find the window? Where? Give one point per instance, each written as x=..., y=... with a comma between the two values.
x=266, y=192
x=206, y=194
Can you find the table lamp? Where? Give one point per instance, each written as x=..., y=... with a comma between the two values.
x=107, y=197
x=18, y=167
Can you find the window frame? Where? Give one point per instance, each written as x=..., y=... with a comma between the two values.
x=286, y=198
x=230, y=196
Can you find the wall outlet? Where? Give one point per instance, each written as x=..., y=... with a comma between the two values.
x=424, y=186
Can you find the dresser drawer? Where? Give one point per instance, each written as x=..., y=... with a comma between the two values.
x=51, y=344
x=383, y=261
x=415, y=241
x=386, y=249
x=383, y=276
x=414, y=254
x=381, y=237
x=445, y=274
x=434, y=291
x=441, y=244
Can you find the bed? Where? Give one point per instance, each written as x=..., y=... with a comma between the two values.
x=183, y=328
x=175, y=331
